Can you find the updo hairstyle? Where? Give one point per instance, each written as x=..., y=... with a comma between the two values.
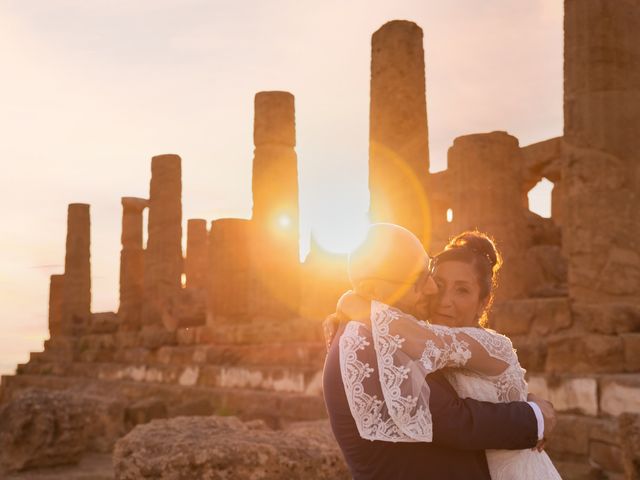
x=479, y=250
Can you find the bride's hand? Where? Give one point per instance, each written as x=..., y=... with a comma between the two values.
x=354, y=306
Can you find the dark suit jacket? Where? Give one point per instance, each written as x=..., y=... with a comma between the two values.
x=462, y=430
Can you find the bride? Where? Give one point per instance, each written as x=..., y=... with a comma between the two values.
x=480, y=363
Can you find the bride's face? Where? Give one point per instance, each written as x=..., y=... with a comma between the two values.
x=458, y=302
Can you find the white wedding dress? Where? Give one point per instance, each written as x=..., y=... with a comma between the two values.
x=392, y=402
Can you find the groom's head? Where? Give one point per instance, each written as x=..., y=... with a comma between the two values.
x=392, y=266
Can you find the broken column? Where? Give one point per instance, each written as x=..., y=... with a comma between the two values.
x=163, y=257
x=602, y=114
x=131, y=262
x=229, y=267
x=56, y=295
x=275, y=257
x=197, y=251
x=398, y=134
x=76, y=298
x=484, y=178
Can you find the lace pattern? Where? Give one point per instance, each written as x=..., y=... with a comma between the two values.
x=383, y=370
x=366, y=409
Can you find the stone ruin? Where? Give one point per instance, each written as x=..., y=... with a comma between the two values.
x=241, y=336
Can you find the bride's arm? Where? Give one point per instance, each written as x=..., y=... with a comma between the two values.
x=435, y=346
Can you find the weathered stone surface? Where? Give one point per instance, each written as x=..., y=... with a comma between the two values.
x=154, y=337
x=606, y=456
x=571, y=436
x=274, y=280
x=398, y=135
x=631, y=342
x=576, y=470
x=104, y=322
x=131, y=261
x=41, y=428
x=44, y=428
x=224, y=447
x=56, y=297
x=578, y=395
x=195, y=265
x=488, y=168
x=629, y=425
x=279, y=379
x=620, y=394
x=188, y=309
x=588, y=353
x=601, y=105
x=230, y=268
x=163, y=256
x=608, y=318
x=145, y=410
x=547, y=275
x=76, y=303
x=540, y=316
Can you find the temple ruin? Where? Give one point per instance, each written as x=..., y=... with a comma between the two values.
x=241, y=334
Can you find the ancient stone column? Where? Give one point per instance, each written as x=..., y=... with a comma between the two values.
x=131, y=261
x=56, y=295
x=602, y=169
x=229, y=267
x=398, y=134
x=197, y=252
x=484, y=180
x=163, y=257
x=275, y=264
x=76, y=299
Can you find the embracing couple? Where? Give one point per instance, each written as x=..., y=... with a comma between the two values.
x=416, y=387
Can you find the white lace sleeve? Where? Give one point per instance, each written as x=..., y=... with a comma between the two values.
x=384, y=369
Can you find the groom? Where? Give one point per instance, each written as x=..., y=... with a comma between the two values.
x=391, y=256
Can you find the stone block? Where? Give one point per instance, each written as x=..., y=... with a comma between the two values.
x=155, y=337
x=608, y=318
x=631, y=342
x=513, y=317
x=606, y=456
x=194, y=408
x=576, y=470
x=220, y=448
x=532, y=354
x=578, y=395
x=551, y=315
x=629, y=425
x=104, y=322
x=135, y=355
x=589, y=353
x=620, y=394
x=186, y=336
x=145, y=410
x=571, y=436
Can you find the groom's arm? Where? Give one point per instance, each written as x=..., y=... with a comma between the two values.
x=468, y=424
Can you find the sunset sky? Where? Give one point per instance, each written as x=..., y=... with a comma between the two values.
x=91, y=90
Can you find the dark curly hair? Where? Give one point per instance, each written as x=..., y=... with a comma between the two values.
x=479, y=250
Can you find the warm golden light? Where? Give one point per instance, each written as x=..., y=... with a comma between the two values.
x=284, y=221
x=449, y=215
x=342, y=237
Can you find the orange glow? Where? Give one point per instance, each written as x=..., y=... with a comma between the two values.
x=284, y=221
x=342, y=237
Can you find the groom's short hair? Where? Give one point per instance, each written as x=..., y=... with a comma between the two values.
x=390, y=253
